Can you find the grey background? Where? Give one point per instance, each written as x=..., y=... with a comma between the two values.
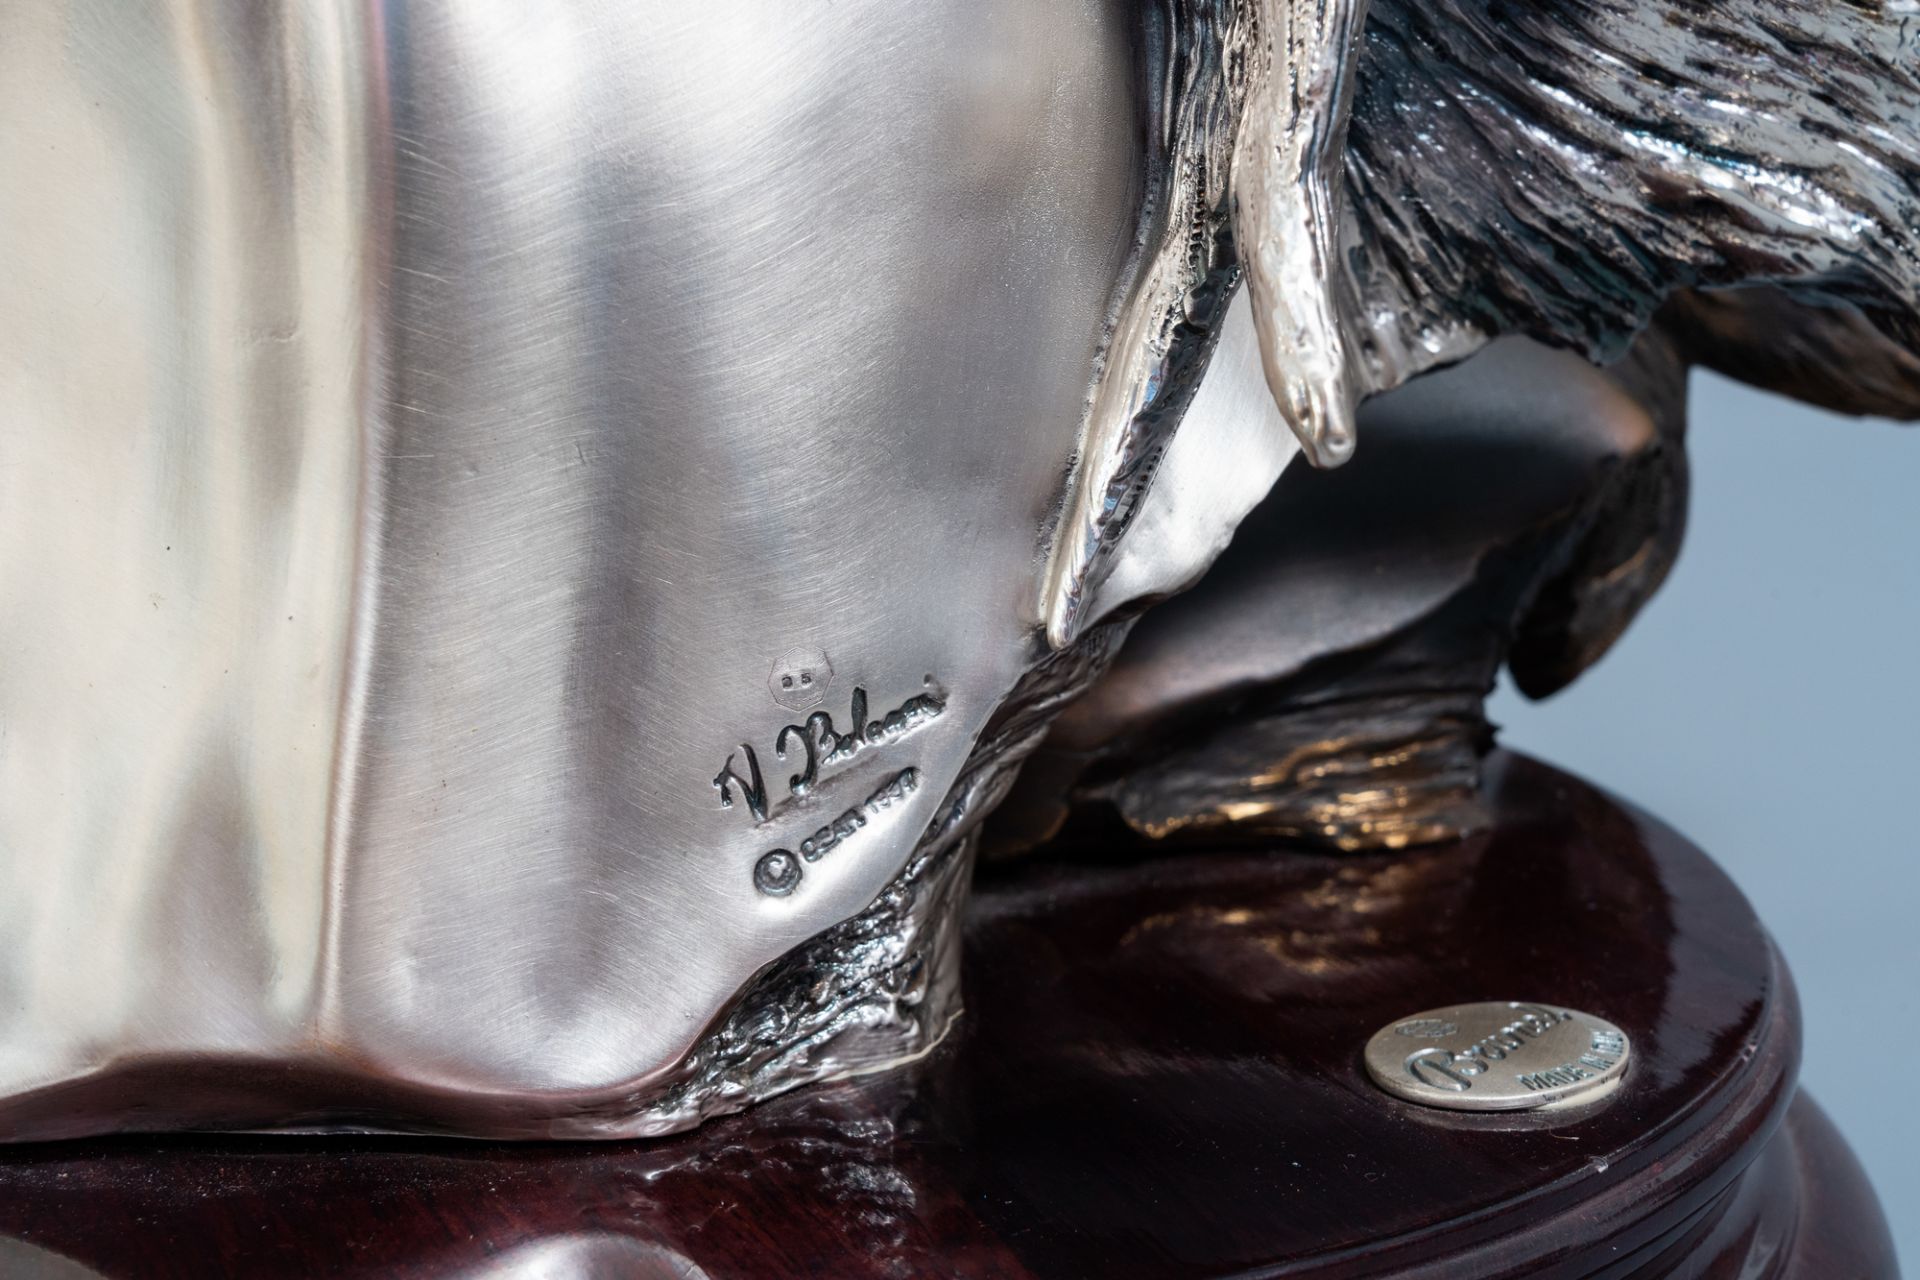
x=1767, y=704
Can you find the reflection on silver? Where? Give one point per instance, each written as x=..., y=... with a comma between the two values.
x=1247, y=124
x=1231, y=447
x=30, y=1262
x=428, y=428
x=583, y=1255
x=1287, y=156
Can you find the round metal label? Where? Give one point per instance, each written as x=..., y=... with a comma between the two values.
x=1500, y=1055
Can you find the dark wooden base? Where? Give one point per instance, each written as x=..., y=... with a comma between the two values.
x=1159, y=1075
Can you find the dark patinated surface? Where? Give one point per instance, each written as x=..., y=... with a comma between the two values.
x=1158, y=1075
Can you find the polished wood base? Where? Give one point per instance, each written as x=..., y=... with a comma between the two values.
x=1158, y=1075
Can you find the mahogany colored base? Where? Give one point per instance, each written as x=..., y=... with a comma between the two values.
x=1159, y=1075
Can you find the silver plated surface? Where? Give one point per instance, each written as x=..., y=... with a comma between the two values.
x=530, y=537
x=1500, y=1055
x=431, y=436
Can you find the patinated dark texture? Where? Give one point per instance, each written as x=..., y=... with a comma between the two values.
x=1398, y=182
x=1160, y=1076
x=1560, y=168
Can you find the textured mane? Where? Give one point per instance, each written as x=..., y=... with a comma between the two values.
x=1560, y=167
x=1397, y=182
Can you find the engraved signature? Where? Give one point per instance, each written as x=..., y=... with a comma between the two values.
x=822, y=746
x=778, y=871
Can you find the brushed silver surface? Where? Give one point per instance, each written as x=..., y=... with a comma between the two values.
x=426, y=429
x=530, y=536
x=1500, y=1055
x=185, y=367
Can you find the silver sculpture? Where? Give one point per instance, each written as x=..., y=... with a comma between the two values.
x=534, y=535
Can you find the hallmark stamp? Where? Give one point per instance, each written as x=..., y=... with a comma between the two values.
x=777, y=874
x=800, y=679
x=778, y=871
